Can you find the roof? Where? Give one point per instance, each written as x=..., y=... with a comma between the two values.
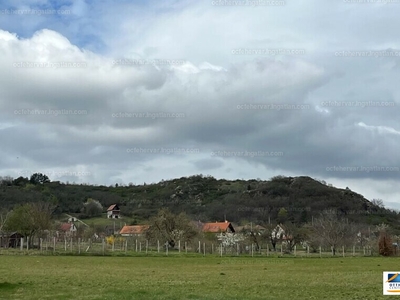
x=66, y=226
x=112, y=207
x=217, y=227
x=135, y=229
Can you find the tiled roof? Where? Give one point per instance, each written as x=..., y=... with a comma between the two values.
x=135, y=229
x=65, y=227
x=216, y=227
x=112, y=207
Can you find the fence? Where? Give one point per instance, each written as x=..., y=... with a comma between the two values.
x=138, y=246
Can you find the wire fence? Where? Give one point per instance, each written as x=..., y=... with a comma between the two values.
x=130, y=246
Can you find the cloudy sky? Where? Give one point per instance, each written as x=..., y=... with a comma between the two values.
x=124, y=91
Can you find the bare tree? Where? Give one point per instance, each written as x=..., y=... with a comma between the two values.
x=378, y=202
x=293, y=235
x=330, y=230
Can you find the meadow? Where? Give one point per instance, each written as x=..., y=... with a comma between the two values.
x=191, y=277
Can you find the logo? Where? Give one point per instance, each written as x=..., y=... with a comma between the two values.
x=391, y=283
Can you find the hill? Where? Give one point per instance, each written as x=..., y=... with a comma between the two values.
x=297, y=199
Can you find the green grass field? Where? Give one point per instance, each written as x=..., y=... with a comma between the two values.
x=180, y=277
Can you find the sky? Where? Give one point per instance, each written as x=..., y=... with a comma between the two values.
x=106, y=92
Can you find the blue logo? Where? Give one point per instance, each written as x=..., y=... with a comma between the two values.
x=393, y=277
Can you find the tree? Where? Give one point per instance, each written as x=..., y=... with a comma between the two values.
x=30, y=219
x=385, y=244
x=39, y=178
x=282, y=215
x=3, y=218
x=93, y=207
x=276, y=235
x=378, y=202
x=330, y=230
x=6, y=181
x=229, y=239
x=254, y=235
x=294, y=235
x=168, y=227
x=21, y=181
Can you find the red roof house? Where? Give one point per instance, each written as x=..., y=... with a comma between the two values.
x=218, y=227
x=134, y=230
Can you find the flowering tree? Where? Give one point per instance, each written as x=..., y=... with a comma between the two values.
x=229, y=239
x=93, y=207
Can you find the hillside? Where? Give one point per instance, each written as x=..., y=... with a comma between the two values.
x=208, y=199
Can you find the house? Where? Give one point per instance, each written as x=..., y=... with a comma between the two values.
x=68, y=229
x=134, y=230
x=113, y=212
x=218, y=227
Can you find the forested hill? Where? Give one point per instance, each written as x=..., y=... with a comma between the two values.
x=205, y=198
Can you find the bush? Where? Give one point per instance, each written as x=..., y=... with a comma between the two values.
x=385, y=244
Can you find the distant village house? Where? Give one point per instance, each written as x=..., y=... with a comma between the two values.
x=218, y=227
x=67, y=230
x=134, y=230
x=113, y=212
